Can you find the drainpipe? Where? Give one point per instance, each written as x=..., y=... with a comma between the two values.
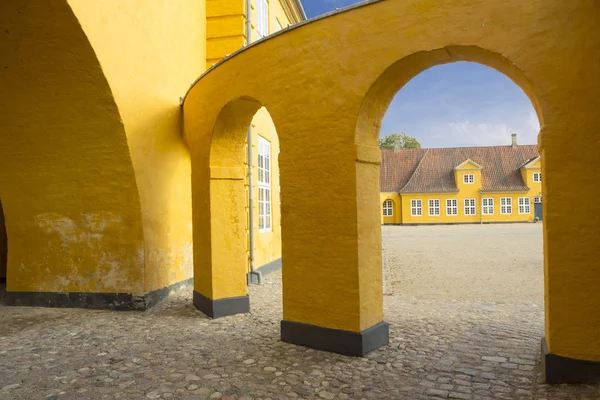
x=253, y=272
x=480, y=208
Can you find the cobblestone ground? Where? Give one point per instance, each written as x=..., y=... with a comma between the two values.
x=439, y=349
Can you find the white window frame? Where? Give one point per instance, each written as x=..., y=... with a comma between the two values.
x=487, y=206
x=470, y=206
x=506, y=205
x=388, y=208
x=433, y=207
x=537, y=176
x=524, y=205
x=416, y=208
x=262, y=18
x=469, y=179
x=265, y=214
x=451, y=207
x=537, y=200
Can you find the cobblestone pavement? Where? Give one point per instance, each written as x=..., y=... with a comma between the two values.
x=440, y=349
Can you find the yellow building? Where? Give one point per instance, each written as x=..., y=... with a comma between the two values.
x=122, y=173
x=461, y=185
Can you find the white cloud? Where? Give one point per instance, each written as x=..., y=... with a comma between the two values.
x=467, y=134
x=534, y=122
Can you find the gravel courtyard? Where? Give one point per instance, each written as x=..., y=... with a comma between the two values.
x=464, y=304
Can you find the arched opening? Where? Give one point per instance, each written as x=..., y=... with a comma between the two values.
x=389, y=213
x=472, y=244
x=241, y=240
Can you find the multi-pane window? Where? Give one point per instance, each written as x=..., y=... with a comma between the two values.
x=470, y=207
x=416, y=208
x=388, y=208
x=451, y=207
x=264, y=185
x=537, y=176
x=505, y=205
x=537, y=199
x=487, y=206
x=468, y=178
x=262, y=23
x=434, y=207
x=524, y=205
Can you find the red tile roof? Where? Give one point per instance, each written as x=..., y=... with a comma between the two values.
x=432, y=170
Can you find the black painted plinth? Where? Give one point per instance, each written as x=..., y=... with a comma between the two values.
x=558, y=369
x=335, y=340
x=221, y=307
x=98, y=301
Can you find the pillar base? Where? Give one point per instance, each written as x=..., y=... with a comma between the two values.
x=335, y=340
x=558, y=369
x=221, y=307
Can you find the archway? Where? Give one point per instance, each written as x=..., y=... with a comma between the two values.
x=243, y=229
x=332, y=104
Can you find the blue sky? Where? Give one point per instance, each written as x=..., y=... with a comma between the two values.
x=459, y=104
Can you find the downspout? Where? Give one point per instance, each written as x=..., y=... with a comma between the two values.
x=253, y=272
x=480, y=208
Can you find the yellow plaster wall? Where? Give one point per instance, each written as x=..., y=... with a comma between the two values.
x=67, y=182
x=150, y=52
x=267, y=245
x=396, y=217
x=329, y=128
x=225, y=28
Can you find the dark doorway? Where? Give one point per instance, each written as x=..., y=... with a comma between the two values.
x=3, y=254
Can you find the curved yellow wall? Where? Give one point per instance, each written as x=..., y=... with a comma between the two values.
x=151, y=52
x=327, y=100
x=67, y=182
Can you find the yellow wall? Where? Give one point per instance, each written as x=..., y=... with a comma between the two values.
x=527, y=174
x=67, y=182
x=225, y=28
x=267, y=245
x=150, y=52
x=396, y=217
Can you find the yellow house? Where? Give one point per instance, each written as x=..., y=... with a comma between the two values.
x=461, y=185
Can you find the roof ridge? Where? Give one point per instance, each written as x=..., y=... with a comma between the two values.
x=416, y=169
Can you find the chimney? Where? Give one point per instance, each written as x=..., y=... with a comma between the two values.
x=514, y=140
x=397, y=145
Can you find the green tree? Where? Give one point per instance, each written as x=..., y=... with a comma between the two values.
x=402, y=140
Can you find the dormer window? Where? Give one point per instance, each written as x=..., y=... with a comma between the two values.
x=537, y=176
x=468, y=178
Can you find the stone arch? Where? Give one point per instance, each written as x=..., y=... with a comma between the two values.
x=67, y=182
x=317, y=88
x=393, y=79
x=221, y=242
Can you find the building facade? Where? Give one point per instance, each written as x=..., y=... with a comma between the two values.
x=461, y=185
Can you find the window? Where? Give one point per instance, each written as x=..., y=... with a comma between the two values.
x=434, y=208
x=537, y=176
x=451, y=207
x=388, y=208
x=487, y=206
x=416, y=208
x=505, y=205
x=262, y=23
x=468, y=178
x=537, y=199
x=277, y=26
x=264, y=185
x=524, y=205
x=470, y=207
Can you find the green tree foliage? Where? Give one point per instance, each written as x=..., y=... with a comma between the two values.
x=401, y=139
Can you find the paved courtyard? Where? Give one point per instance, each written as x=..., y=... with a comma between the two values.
x=464, y=304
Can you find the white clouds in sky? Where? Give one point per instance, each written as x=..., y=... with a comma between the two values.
x=462, y=105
